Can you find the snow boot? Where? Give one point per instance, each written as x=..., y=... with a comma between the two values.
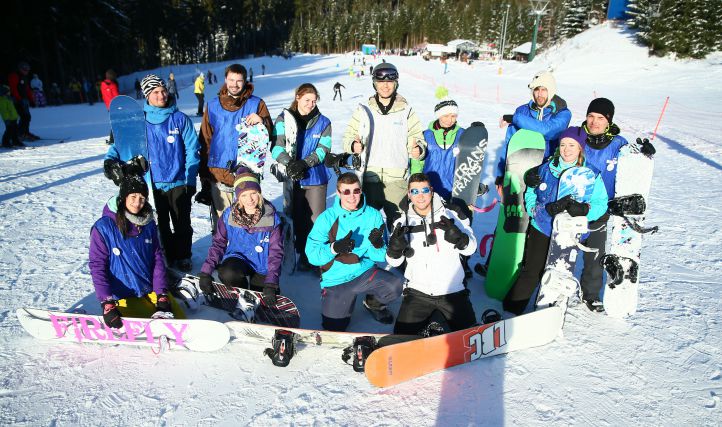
x=380, y=312
x=284, y=347
x=359, y=351
x=594, y=305
x=632, y=204
x=490, y=316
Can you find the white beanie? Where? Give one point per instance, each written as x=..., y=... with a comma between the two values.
x=544, y=79
x=447, y=106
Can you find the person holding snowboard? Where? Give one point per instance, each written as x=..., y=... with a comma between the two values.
x=442, y=146
x=126, y=259
x=386, y=132
x=346, y=241
x=247, y=248
x=540, y=201
x=199, y=87
x=301, y=140
x=601, y=151
x=546, y=113
x=431, y=238
x=219, y=135
x=173, y=155
x=337, y=91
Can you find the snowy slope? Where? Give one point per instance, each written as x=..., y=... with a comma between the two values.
x=661, y=367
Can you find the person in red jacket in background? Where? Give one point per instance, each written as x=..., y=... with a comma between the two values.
x=19, y=82
x=109, y=90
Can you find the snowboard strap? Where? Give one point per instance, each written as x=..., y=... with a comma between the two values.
x=638, y=228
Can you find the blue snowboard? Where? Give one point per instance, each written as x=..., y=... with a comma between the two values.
x=127, y=121
x=558, y=283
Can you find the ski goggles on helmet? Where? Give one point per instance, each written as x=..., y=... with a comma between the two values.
x=386, y=74
x=416, y=191
x=348, y=192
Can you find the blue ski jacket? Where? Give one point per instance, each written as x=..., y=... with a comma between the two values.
x=536, y=198
x=360, y=222
x=227, y=125
x=549, y=121
x=440, y=162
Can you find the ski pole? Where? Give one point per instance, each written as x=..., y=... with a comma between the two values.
x=666, y=101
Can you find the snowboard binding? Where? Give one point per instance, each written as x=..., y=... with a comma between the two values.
x=615, y=270
x=359, y=351
x=245, y=310
x=490, y=316
x=187, y=293
x=284, y=348
x=632, y=204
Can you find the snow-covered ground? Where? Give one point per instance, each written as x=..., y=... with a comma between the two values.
x=663, y=366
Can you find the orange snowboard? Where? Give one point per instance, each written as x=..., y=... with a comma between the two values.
x=397, y=363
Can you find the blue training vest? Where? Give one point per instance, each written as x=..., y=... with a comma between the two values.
x=251, y=247
x=605, y=161
x=317, y=175
x=167, y=149
x=440, y=163
x=132, y=259
x=226, y=124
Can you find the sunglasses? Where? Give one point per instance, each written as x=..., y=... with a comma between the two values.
x=347, y=192
x=386, y=74
x=423, y=190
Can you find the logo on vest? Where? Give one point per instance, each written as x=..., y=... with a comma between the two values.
x=611, y=164
x=316, y=135
x=175, y=131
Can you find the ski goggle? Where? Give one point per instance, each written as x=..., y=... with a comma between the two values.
x=348, y=192
x=423, y=190
x=386, y=74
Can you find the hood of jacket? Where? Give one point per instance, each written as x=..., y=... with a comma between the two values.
x=157, y=115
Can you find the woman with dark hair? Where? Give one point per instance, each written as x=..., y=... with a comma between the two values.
x=126, y=259
x=301, y=141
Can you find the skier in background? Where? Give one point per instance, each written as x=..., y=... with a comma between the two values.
x=199, y=88
x=219, y=135
x=10, y=117
x=172, y=87
x=126, y=259
x=22, y=95
x=37, y=86
x=346, y=241
x=337, y=91
x=540, y=201
x=431, y=239
x=108, y=91
x=138, y=92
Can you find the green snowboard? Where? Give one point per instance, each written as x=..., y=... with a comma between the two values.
x=525, y=150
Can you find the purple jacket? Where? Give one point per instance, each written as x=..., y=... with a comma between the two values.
x=125, y=267
x=261, y=246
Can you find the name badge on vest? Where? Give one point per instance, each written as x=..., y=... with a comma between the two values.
x=543, y=186
x=116, y=251
x=170, y=139
x=456, y=151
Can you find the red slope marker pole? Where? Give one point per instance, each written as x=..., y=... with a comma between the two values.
x=666, y=101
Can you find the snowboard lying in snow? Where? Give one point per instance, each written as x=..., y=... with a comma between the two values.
x=189, y=334
x=394, y=364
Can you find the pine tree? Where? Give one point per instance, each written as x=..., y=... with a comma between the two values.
x=575, y=18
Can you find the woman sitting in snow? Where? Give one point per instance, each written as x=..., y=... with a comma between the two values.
x=247, y=247
x=126, y=259
x=540, y=200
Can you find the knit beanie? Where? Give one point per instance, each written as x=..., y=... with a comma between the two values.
x=150, y=82
x=245, y=180
x=130, y=184
x=602, y=106
x=447, y=106
x=544, y=79
x=576, y=133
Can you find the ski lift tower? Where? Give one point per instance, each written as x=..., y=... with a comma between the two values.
x=538, y=8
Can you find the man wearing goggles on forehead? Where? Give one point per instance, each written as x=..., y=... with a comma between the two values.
x=388, y=135
x=346, y=241
x=430, y=238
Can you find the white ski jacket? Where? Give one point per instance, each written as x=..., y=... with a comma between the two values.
x=433, y=269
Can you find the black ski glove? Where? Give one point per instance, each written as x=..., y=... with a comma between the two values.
x=577, y=208
x=269, y=295
x=138, y=165
x=397, y=243
x=452, y=233
x=344, y=245
x=376, y=237
x=559, y=206
x=356, y=161
x=646, y=147
x=205, y=282
x=163, y=303
x=532, y=177
x=627, y=205
x=296, y=169
x=111, y=314
x=204, y=196
x=112, y=170
x=509, y=118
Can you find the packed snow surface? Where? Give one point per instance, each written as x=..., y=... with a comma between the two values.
x=663, y=366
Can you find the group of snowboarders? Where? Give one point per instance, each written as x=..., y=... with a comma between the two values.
x=394, y=207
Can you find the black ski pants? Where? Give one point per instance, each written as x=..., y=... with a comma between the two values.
x=531, y=272
x=11, y=137
x=175, y=206
x=200, y=98
x=417, y=307
x=239, y=274
x=23, y=108
x=593, y=273
x=308, y=203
